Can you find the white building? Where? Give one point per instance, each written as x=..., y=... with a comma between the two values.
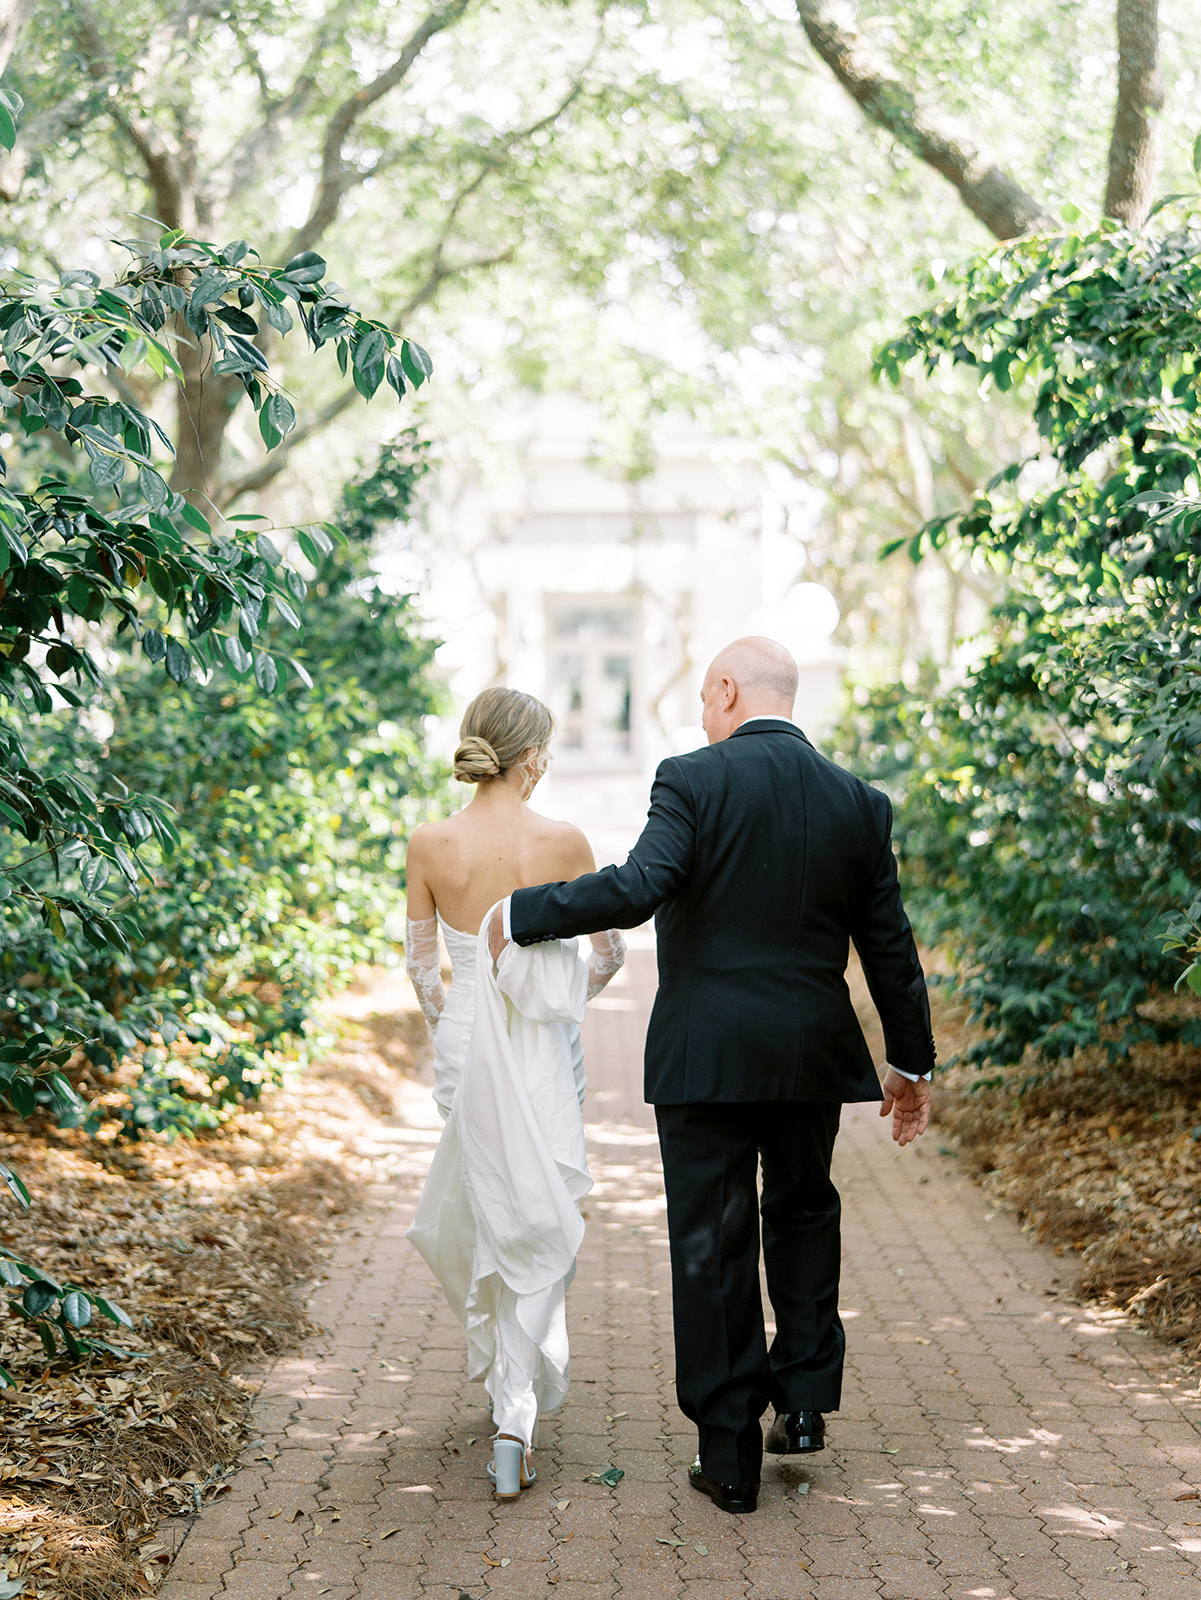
x=607, y=598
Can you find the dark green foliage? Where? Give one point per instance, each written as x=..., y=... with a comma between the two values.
x=290, y=814
x=1050, y=801
x=107, y=852
x=57, y=1312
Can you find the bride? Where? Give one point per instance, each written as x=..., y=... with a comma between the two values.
x=498, y=1220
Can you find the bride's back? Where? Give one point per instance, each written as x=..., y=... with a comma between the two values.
x=496, y=844
x=475, y=858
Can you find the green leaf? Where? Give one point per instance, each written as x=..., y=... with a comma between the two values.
x=154, y=489
x=266, y=673
x=416, y=362
x=236, y=653
x=307, y=267
x=20, y=1092
x=77, y=1309
x=53, y=917
x=94, y=875
x=113, y=1312
x=197, y=518
x=38, y=1297
x=16, y=1186
x=11, y=1274
x=8, y=128
x=48, y=1341
x=179, y=661
x=369, y=350
x=106, y=469
x=64, y=1094
x=610, y=1477
x=276, y=419
x=1197, y=155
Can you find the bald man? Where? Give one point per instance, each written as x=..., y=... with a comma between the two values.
x=761, y=861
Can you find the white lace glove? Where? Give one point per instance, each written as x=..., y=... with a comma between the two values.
x=608, y=956
x=424, y=966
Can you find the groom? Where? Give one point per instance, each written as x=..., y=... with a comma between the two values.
x=761, y=861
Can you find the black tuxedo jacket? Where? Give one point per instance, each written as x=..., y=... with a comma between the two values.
x=761, y=859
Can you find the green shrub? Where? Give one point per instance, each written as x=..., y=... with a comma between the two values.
x=1050, y=795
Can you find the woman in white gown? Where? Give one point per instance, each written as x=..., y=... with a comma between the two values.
x=498, y=1219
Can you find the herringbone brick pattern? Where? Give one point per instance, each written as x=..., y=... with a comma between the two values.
x=995, y=1442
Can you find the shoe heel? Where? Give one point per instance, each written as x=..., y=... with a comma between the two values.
x=508, y=1458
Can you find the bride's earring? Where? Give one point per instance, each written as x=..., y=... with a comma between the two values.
x=534, y=773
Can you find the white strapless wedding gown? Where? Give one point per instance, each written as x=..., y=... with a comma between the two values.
x=498, y=1219
x=452, y=1031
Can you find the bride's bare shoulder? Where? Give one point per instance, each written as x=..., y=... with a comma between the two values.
x=431, y=837
x=566, y=844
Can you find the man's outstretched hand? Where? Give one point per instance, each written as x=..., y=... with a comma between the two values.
x=496, y=934
x=909, y=1104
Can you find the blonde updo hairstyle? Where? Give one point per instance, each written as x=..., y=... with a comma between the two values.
x=497, y=728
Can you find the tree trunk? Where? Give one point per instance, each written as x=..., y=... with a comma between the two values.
x=1132, y=152
x=989, y=193
x=204, y=406
x=12, y=18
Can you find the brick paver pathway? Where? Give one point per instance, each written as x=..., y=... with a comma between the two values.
x=995, y=1442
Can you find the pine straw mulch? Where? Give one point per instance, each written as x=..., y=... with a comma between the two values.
x=1101, y=1161
x=210, y=1245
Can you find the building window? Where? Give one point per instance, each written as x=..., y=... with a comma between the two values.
x=592, y=677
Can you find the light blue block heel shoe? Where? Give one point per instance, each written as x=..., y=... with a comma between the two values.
x=501, y=1472
x=508, y=1459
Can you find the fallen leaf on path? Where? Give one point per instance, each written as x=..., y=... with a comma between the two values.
x=920, y=1340
x=701, y=1549
x=616, y=1416
x=278, y=1512
x=802, y=1488
x=1191, y=1495
x=610, y=1477
x=562, y=1505
x=390, y=1532
x=885, y=1452
x=678, y=1542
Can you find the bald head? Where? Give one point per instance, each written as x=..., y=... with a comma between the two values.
x=753, y=677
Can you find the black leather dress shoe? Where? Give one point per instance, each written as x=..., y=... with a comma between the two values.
x=733, y=1497
x=796, y=1433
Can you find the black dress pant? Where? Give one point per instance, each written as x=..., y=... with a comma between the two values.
x=725, y=1374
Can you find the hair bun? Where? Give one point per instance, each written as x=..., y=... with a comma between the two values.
x=475, y=760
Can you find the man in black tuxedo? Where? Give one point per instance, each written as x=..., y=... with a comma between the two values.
x=761, y=861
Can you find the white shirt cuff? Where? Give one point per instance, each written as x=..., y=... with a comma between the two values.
x=914, y=1077
x=506, y=926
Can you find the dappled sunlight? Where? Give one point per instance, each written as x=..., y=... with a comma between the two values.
x=1086, y=1523
x=1013, y=1447
x=619, y=1133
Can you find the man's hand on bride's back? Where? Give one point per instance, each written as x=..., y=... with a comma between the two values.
x=496, y=934
x=909, y=1104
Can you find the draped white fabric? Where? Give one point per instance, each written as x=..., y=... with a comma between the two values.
x=498, y=1219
